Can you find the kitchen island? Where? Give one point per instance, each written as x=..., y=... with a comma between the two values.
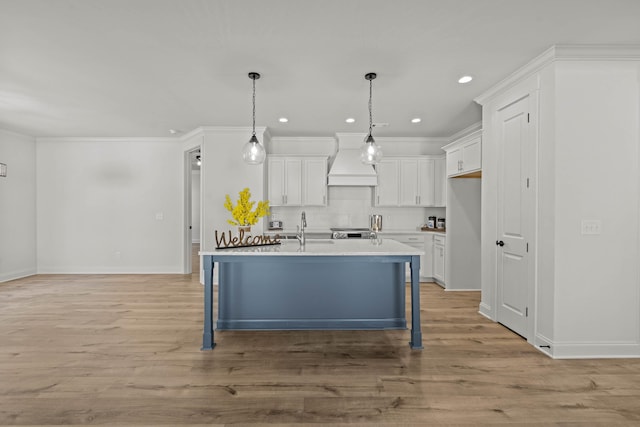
x=325, y=284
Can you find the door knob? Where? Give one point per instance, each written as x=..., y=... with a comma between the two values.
x=499, y=243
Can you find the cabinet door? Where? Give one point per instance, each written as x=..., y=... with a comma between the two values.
x=293, y=182
x=472, y=155
x=276, y=182
x=440, y=183
x=454, y=161
x=426, y=182
x=438, y=262
x=426, y=264
x=388, y=179
x=408, y=182
x=315, y=182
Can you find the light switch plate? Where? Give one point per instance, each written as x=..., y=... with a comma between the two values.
x=159, y=216
x=591, y=226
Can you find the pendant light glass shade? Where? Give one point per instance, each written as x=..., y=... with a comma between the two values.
x=370, y=152
x=253, y=153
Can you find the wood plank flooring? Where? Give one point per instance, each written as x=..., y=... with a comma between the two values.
x=125, y=349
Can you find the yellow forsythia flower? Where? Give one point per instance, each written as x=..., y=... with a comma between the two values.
x=242, y=213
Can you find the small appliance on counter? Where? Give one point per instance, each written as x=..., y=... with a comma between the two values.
x=431, y=222
x=375, y=222
x=275, y=225
x=351, y=233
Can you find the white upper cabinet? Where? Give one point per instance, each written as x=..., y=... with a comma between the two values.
x=315, y=181
x=409, y=181
x=464, y=156
x=417, y=182
x=440, y=180
x=386, y=192
x=297, y=181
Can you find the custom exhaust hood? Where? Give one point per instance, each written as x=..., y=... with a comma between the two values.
x=347, y=169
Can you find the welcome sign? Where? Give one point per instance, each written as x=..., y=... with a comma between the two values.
x=227, y=240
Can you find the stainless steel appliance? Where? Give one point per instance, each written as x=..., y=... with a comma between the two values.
x=350, y=233
x=375, y=222
x=275, y=224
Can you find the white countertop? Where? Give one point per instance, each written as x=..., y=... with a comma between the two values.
x=325, y=247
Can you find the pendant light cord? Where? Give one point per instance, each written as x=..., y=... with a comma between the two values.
x=370, y=113
x=254, y=106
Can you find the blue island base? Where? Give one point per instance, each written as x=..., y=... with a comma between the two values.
x=282, y=293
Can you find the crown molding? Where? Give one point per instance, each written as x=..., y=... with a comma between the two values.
x=17, y=134
x=465, y=132
x=586, y=52
x=90, y=139
x=201, y=130
x=303, y=139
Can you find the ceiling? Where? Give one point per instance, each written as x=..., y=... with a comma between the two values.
x=138, y=68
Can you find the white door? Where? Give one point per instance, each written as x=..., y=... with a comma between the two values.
x=514, y=143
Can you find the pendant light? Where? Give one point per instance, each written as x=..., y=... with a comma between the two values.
x=253, y=153
x=370, y=152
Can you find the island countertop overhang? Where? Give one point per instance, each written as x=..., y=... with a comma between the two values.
x=324, y=247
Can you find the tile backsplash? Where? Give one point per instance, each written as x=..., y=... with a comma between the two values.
x=351, y=207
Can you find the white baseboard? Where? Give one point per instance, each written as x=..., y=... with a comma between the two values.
x=593, y=350
x=110, y=270
x=16, y=275
x=462, y=290
x=486, y=311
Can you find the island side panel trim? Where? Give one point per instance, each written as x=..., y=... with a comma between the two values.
x=207, y=335
x=416, y=328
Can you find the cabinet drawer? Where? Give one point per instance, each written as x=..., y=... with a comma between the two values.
x=408, y=238
x=439, y=240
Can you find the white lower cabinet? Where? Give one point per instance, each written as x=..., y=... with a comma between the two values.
x=432, y=262
x=439, y=244
x=414, y=240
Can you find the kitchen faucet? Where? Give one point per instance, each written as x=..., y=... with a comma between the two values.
x=303, y=224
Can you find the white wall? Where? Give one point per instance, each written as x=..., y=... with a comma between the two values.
x=109, y=205
x=597, y=178
x=17, y=206
x=224, y=172
x=463, y=234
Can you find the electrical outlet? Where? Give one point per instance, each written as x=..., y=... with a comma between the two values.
x=591, y=226
x=159, y=216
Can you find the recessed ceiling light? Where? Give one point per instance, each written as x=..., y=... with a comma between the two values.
x=173, y=131
x=465, y=79
x=350, y=120
x=416, y=120
x=283, y=120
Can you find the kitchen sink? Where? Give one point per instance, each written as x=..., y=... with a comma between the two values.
x=310, y=242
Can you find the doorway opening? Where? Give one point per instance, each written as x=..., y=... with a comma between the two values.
x=192, y=210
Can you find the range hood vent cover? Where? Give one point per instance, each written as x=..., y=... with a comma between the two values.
x=348, y=170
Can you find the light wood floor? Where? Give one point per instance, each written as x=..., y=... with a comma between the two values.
x=125, y=349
